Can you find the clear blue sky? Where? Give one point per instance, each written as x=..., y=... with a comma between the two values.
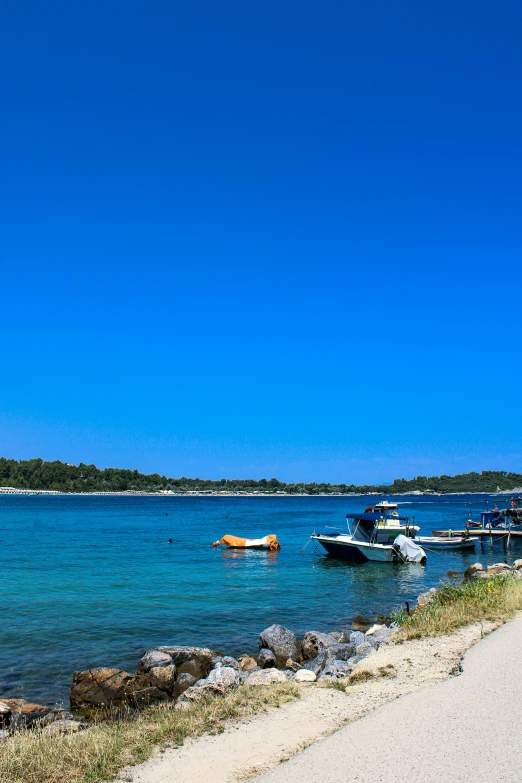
x=279, y=239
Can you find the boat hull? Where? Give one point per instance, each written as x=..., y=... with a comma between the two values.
x=355, y=552
x=445, y=543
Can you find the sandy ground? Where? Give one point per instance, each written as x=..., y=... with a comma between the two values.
x=262, y=742
x=464, y=729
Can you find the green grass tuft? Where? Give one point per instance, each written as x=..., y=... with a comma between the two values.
x=456, y=605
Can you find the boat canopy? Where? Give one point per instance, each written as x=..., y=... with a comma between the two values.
x=487, y=517
x=374, y=517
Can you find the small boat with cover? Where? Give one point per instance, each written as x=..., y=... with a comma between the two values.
x=446, y=542
x=236, y=542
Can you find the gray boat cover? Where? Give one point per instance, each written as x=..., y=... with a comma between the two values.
x=409, y=550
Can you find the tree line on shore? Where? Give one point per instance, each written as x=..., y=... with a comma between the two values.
x=36, y=474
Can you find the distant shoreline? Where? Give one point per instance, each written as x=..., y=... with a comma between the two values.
x=37, y=475
x=257, y=494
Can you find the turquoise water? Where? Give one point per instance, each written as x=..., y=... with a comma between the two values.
x=90, y=581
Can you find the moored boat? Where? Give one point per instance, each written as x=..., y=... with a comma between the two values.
x=506, y=519
x=446, y=542
x=374, y=536
x=385, y=508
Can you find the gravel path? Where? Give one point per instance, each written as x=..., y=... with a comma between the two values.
x=467, y=728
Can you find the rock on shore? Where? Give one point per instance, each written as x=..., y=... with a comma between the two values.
x=281, y=642
x=265, y=677
x=163, y=673
x=477, y=570
x=315, y=642
x=19, y=714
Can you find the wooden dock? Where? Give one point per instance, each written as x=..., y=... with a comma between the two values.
x=483, y=533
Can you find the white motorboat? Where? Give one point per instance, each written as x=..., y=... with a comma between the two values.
x=373, y=535
x=384, y=508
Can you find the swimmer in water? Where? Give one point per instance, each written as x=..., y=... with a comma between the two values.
x=170, y=541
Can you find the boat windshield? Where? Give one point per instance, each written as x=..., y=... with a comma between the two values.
x=359, y=530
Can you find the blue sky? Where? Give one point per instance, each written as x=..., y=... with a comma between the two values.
x=272, y=240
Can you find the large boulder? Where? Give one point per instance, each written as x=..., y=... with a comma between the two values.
x=102, y=687
x=473, y=570
x=315, y=641
x=330, y=672
x=343, y=667
x=266, y=659
x=427, y=597
x=194, y=668
x=5, y=714
x=163, y=678
x=363, y=649
x=201, y=692
x=305, y=675
x=184, y=681
x=317, y=664
x=225, y=676
x=382, y=635
x=147, y=696
x=517, y=565
x=361, y=623
x=354, y=660
x=498, y=568
x=356, y=638
x=245, y=674
x=190, y=660
x=248, y=663
x=22, y=714
x=265, y=677
x=373, y=628
x=339, y=651
x=281, y=642
x=154, y=659
x=227, y=660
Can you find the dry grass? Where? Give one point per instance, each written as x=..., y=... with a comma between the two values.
x=496, y=598
x=387, y=671
x=100, y=752
x=357, y=678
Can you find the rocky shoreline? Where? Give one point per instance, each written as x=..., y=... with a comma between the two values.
x=179, y=675
x=184, y=674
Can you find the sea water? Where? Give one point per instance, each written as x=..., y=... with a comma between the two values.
x=90, y=581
